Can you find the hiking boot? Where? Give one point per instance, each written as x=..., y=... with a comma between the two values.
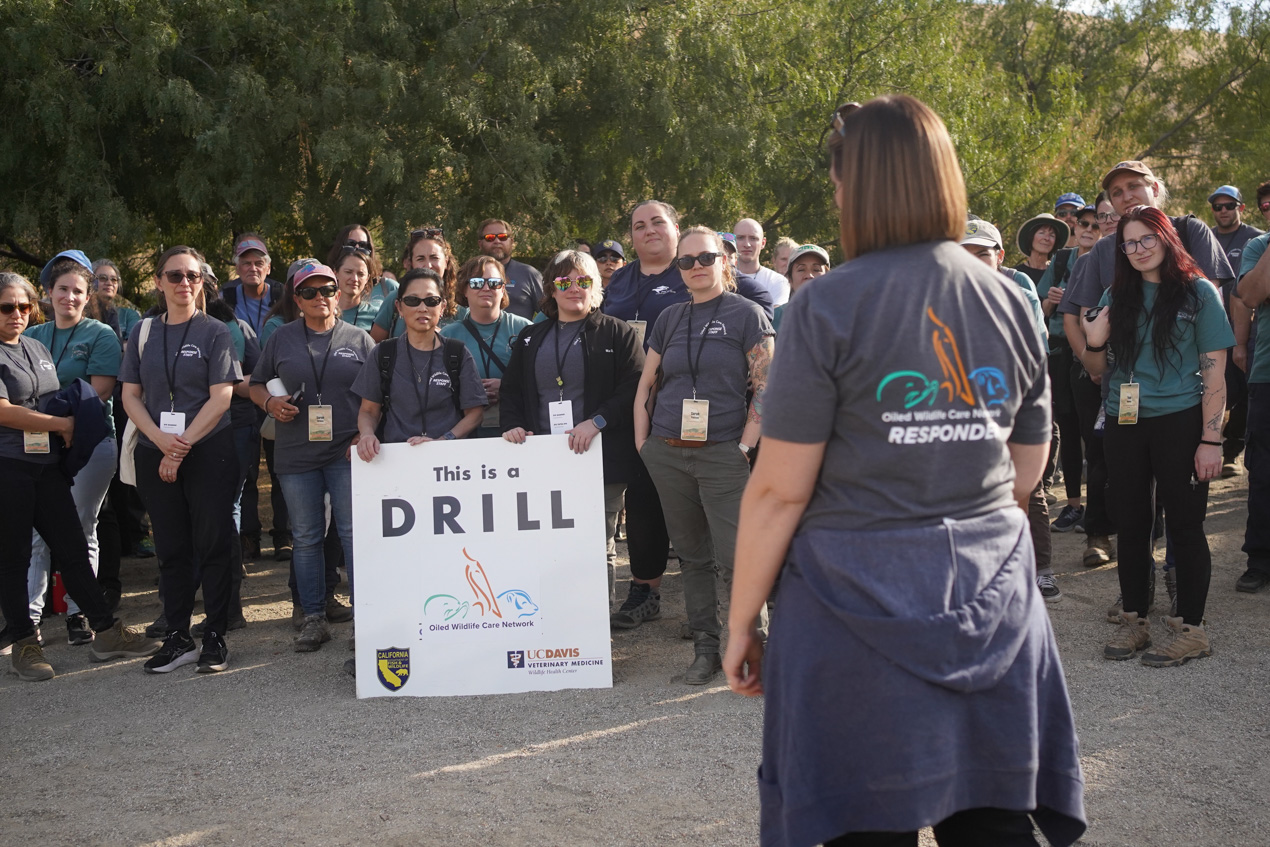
x=119, y=642
x=1252, y=581
x=1133, y=635
x=178, y=649
x=1068, y=518
x=337, y=612
x=314, y=634
x=78, y=632
x=28, y=660
x=1098, y=551
x=1185, y=642
x=1229, y=469
x=703, y=669
x=1113, y=612
x=214, y=655
x=643, y=603
x=282, y=552
x=1170, y=585
x=158, y=629
x=1049, y=588
x=297, y=616
x=6, y=640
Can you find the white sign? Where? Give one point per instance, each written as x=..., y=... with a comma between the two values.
x=480, y=568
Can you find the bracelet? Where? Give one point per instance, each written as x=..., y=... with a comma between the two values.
x=267, y=412
x=1210, y=443
x=1101, y=349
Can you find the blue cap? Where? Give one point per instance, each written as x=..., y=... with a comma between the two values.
x=75, y=255
x=608, y=246
x=1226, y=191
x=729, y=240
x=1069, y=199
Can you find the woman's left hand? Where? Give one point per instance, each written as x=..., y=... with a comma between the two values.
x=743, y=662
x=1207, y=462
x=416, y=440
x=491, y=387
x=168, y=468
x=580, y=436
x=67, y=430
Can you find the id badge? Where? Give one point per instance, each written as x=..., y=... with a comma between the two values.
x=35, y=442
x=561, y=413
x=173, y=423
x=694, y=424
x=490, y=416
x=639, y=327
x=1128, y=403
x=320, y=423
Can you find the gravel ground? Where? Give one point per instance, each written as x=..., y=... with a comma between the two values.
x=278, y=750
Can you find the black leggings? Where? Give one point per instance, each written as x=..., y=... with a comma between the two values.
x=971, y=828
x=1070, y=454
x=1088, y=396
x=646, y=538
x=1161, y=449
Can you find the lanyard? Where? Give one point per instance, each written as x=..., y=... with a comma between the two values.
x=695, y=364
x=260, y=308
x=488, y=356
x=326, y=359
x=427, y=382
x=560, y=360
x=171, y=375
x=66, y=346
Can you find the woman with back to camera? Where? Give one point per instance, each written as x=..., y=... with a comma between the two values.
x=586, y=358
x=1167, y=328
x=905, y=424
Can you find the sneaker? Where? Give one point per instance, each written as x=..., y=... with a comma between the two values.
x=297, y=616
x=1185, y=642
x=1049, y=588
x=643, y=603
x=178, y=649
x=78, y=632
x=1133, y=636
x=145, y=549
x=703, y=669
x=1068, y=518
x=282, y=552
x=215, y=655
x=337, y=612
x=6, y=641
x=28, y=660
x=1170, y=585
x=119, y=642
x=1229, y=469
x=1252, y=581
x=1098, y=551
x=1113, y=612
x=1079, y=526
x=235, y=622
x=158, y=629
x=314, y=634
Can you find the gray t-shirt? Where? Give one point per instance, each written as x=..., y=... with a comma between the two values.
x=775, y=284
x=567, y=362
x=422, y=397
x=524, y=289
x=27, y=377
x=301, y=357
x=723, y=331
x=1093, y=272
x=199, y=352
x=915, y=366
x=1233, y=243
x=242, y=412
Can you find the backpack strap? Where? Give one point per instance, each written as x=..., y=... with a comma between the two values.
x=453, y=349
x=1182, y=226
x=386, y=359
x=141, y=339
x=1068, y=255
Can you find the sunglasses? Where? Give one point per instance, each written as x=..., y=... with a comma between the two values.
x=1065, y=213
x=608, y=257
x=178, y=277
x=1087, y=224
x=481, y=282
x=1146, y=242
x=431, y=301
x=841, y=114
x=1108, y=216
x=685, y=263
x=352, y=247
x=563, y=283
x=496, y=236
x=329, y=290
x=1225, y=207
x=428, y=232
x=365, y=245
x=20, y=308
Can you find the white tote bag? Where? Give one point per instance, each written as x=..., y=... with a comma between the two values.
x=127, y=464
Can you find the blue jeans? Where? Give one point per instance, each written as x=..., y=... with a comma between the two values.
x=247, y=446
x=305, y=494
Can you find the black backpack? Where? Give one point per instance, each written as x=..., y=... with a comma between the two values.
x=1182, y=226
x=386, y=355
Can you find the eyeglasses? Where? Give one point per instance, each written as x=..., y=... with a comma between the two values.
x=1146, y=242
x=685, y=263
x=1225, y=207
x=841, y=114
x=499, y=236
x=427, y=232
x=563, y=283
x=365, y=246
x=431, y=301
x=99, y=279
x=20, y=308
x=354, y=247
x=481, y=282
x=328, y=291
x=608, y=257
x=178, y=277
x=1065, y=213
x=1107, y=216
x=1086, y=224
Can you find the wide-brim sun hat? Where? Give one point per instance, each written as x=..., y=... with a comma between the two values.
x=1028, y=230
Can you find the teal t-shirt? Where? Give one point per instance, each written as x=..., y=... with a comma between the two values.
x=1178, y=385
x=1057, y=337
x=270, y=327
x=363, y=316
x=128, y=318
x=388, y=319
x=1260, y=371
x=1033, y=302
x=88, y=349
x=776, y=317
x=498, y=336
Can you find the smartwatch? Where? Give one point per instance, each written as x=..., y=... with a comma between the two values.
x=599, y=422
x=449, y=436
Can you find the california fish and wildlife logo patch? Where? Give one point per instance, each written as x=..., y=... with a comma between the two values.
x=392, y=666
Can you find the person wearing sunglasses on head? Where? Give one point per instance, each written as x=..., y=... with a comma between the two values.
x=494, y=237
x=488, y=330
x=694, y=429
x=609, y=256
x=357, y=235
x=1166, y=327
x=1067, y=208
x=426, y=248
x=317, y=360
x=360, y=299
x=179, y=373
x=575, y=372
x=37, y=495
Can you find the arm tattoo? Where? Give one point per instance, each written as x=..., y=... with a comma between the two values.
x=1206, y=363
x=760, y=358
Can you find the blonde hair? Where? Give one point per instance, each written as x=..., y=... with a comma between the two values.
x=561, y=264
x=729, y=280
x=895, y=147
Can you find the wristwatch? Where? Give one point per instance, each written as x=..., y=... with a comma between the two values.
x=449, y=436
x=745, y=448
x=599, y=422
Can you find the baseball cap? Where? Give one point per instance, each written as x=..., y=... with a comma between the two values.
x=608, y=246
x=983, y=234
x=77, y=256
x=1069, y=199
x=308, y=272
x=249, y=244
x=1132, y=166
x=729, y=241
x=1226, y=191
x=298, y=264
x=813, y=249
